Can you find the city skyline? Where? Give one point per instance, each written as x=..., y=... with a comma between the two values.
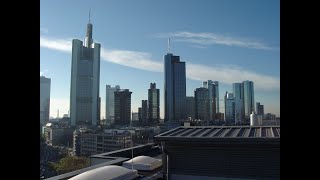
x=228, y=41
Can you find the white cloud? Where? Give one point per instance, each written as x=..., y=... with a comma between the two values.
x=57, y=44
x=213, y=38
x=134, y=59
x=142, y=60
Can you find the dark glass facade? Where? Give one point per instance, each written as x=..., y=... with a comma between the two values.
x=122, y=107
x=202, y=104
x=190, y=107
x=144, y=112
x=248, y=99
x=154, y=104
x=174, y=88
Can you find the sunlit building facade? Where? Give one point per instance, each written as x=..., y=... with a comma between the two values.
x=110, y=102
x=85, y=78
x=45, y=84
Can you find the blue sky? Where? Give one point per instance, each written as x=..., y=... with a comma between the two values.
x=227, y=41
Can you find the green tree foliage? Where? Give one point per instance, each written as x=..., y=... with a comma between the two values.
x=70, y=163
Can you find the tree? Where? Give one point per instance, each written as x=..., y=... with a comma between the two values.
x=70, y=163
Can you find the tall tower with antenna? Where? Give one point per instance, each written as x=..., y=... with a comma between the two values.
x=85, y=78
x=174, y=87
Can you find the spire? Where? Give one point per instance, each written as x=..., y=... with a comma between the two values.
x=168, y=45
x=89, y=15
x=88, y=39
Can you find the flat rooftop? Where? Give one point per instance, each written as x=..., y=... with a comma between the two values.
x=222, y=134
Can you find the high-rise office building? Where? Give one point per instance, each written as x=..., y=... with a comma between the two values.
x=238, y=98
x=85, y=78
x=201, y=96
x=110, y=102
x=248, y=99
x=144, y=113
x=122, y=107
x=259, y=109
x=140, y=114
x=229, y=101
x=213, y=93
x=190, y=107
x=216, y=85
x=154, y=104
x=45, y=84
x=174, y=88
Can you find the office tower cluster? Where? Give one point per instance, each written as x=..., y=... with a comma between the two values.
x=149, y=112
x=239, y=105
x=204, y=105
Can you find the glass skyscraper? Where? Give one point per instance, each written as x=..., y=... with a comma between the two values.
x=122, y=107
x=144, y=113
x=213, y=95
x=248, y=99
x=238, y=98
x=229, y=108
x=110, y=102
x=174, y=88
x=85, y=77
x=190, y=107
x=154, y=104
x=45, y=84
x=216, y=85
x=201, y=97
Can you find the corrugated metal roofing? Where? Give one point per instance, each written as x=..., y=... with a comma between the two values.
x=223, y=132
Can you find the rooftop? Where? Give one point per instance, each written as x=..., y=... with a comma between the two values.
x=219, y=134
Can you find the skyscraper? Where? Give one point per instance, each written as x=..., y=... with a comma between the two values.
x=174, y=88
x=202, y=103
x=248, y=99
x=229, y=108
x=216, y=85
x=213, y=95
x=144, y=113
x=259, y=109
x=154, y=104
x=110, y=102
x=85, y=77
x=45, y=84
x=238, y=98
x=122, y=107
x=190, y=107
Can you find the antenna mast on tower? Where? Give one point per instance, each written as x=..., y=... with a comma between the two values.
x=89, y=14
x=168, y=45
